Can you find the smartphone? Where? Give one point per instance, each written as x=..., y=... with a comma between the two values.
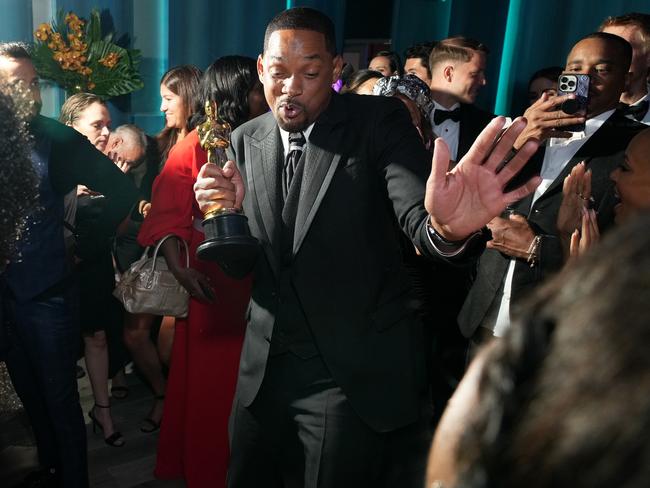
x=578, y=85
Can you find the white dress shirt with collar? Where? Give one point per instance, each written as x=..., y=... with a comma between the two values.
x=557, y=155
x=448, y=130
x=284, y=135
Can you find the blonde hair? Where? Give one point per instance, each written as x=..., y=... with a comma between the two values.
x=75, y=105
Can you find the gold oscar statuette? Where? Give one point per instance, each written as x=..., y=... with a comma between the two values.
x=214, y=137
x=228, y=238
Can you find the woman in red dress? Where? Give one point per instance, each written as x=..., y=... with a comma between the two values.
x=178, y=87
x=193, y=442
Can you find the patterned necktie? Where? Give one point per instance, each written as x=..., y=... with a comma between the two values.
x=296, y=144
x=637, y=111
x=439, y=116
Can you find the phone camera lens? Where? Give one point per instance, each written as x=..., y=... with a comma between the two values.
x=572, y=83
x=563, y=87
x=564, y=79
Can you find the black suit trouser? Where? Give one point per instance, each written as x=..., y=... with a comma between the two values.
x=301, y=431
x=43, y=347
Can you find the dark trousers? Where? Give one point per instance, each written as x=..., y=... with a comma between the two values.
x=302, y=432
x=43, y=346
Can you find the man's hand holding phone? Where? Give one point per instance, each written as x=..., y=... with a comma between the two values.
x=546, y=119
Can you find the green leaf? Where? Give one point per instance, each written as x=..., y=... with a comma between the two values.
x=123, y=78
x=94, y=30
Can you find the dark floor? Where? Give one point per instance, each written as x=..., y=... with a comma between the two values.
x=110, y=467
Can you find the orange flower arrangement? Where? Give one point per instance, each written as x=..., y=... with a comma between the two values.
x=81, y=59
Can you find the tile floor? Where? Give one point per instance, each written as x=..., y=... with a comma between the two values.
x=109, y=467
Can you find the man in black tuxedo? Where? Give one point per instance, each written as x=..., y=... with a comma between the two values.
x=331, y=381
x=457, y=66
x=527, y=243
x=635, y=29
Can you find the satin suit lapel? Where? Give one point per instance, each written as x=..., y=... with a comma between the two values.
x=321, y=162
x=265, y=178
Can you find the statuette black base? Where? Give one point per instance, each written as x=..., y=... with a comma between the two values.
x=229, y=243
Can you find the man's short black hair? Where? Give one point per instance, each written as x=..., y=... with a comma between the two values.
x=303, y=18
x=14, y=50
x=422, y=52
x=624, y=47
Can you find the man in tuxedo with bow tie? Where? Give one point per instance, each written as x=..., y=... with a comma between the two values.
x=331, y=382
x=635, y=29
x=457, y=66
x=527, y=241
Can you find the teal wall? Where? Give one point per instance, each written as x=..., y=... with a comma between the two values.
x=523, y=36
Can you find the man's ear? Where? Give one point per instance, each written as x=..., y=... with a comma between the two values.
x=260, y=68
x=628, y=81
x=448, y=73
x=338, y=67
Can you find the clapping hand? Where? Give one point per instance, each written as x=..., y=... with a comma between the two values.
x=464, y=199
x=574, y=213
x=587, y=236
x=576, y=195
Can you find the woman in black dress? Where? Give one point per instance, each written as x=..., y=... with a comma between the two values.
x=99, y=312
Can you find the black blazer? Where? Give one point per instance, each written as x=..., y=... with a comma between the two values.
x=602, y=153
x=472, y=121
x=365, y=172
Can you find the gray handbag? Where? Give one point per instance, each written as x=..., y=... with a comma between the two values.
x=148, y=286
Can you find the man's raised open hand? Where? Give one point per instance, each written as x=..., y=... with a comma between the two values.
x=465, y=199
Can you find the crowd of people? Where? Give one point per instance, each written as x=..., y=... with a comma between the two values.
x=424, y=266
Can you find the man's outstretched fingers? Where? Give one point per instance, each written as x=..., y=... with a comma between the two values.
x=439, y=163
x=517, y=163
x=522, y=191
x=503, y=146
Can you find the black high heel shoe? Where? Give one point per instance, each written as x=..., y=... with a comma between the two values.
x=115, y=439
x=149, y=425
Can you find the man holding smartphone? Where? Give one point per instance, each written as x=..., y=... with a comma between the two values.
x=525, y=245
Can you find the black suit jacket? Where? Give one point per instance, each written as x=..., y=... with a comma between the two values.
x=602, y=153
x=364, y=175
x=472, y=121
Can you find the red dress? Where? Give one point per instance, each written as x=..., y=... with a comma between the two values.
x=193, y=442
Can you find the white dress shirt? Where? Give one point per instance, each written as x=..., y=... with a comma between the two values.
x=557, y=155
x=448, y=130
x=284, y=135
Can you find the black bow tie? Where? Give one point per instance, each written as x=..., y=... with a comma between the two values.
x=439, y=116
x=637, y=111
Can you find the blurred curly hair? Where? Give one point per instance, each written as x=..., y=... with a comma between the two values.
x=18, y=180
